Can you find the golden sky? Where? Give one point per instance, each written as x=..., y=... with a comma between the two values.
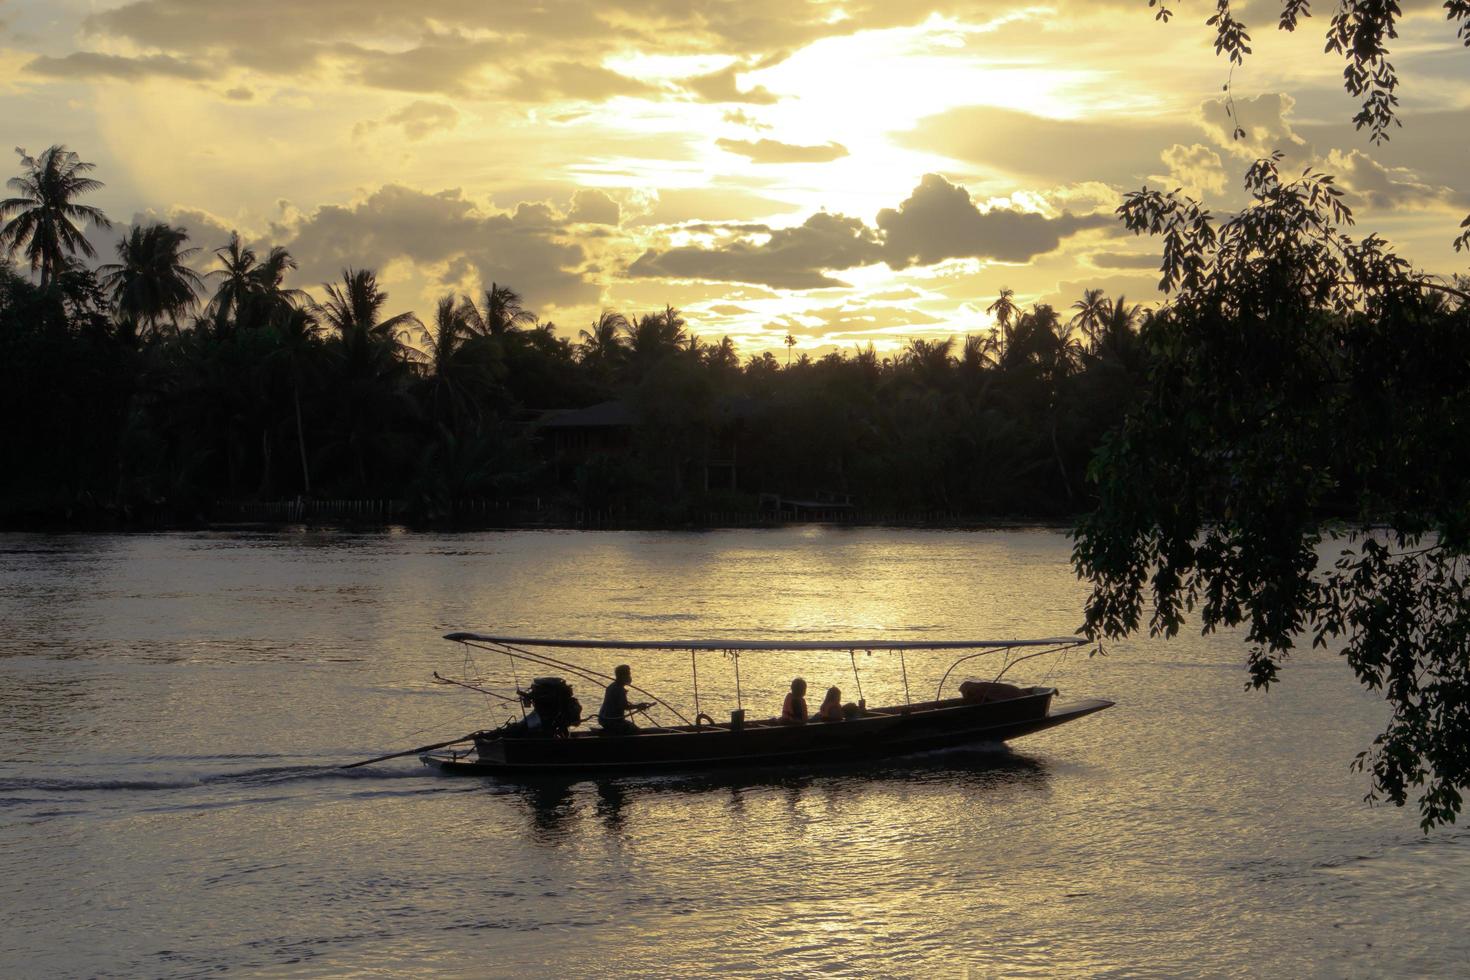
x=846, y=170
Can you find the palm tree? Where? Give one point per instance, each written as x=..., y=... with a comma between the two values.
x=371, y=354
x=1092, y=309
x=150, y=280
x=723, y=356
x=1044, y=343
x=45, y=209
x=236, y=279
x=270, y=278
x=980, y=352
x=655, y=336
x=1004, y=309
x=504, y=312
x=297, y=331
x=929, y=359
x=603, y=344
x=352, y=311
x=252, y=291
x=790, y=342
x=462, y=365
x=1118, y=339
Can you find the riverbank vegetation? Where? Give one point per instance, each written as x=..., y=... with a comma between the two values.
x=152, y=385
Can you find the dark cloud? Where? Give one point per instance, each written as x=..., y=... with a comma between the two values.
x=1369, y=182
x=1134, y=289
x=720, y=86
x=790, y=258
x=740, y=117
x=1435, y=145
x=571, y=80
x=397, y=223
x=939, y=221
x=1124, y=260
x=1263, y=119
x=91, y=65
x=449, y=63
x=418, y=119
x=869, y=318
x=677, y=205
x=593, y=207
x=1116, y=151
x=772, y=151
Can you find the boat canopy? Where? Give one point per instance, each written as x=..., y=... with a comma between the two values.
x=746, y=645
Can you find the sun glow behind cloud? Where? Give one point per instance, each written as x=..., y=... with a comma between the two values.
x=725, y=134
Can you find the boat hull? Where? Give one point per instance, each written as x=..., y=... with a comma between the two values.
x=878, y=734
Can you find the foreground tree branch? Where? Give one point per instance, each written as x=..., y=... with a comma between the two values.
x=1299, y=377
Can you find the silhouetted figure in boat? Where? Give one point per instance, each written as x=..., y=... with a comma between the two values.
x=793, y=709
x=613, y=715
x=831, y=709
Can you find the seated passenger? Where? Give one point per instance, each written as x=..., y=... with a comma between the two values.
x=613, y=715
x=831, y=709
x=793, y=709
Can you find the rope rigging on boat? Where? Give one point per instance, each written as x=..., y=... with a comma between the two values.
x=513, y=651
x=1060, y=646
x=542, y=741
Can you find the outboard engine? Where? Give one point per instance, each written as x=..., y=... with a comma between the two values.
x=554, y=711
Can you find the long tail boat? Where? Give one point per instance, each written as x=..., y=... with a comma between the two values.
x=985, y=712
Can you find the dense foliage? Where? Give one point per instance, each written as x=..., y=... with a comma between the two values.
x=1358, y=33
x=1300, y=374
x=1297, y=374
x=143, y=391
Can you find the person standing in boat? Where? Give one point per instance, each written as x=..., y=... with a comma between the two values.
x=613, y=715
x=793, y=709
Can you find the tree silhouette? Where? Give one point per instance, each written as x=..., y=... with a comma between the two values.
x=979, y=353
x=297, y=329
x=45, y=208
x=601, y=348
x=251, y=292
x=503, y=313
x=1092, y=310
x=1299, y=373
x=236, y=279
x=1005, y=311
x=931, y=360
x=654, y=337
x=151, y=279
x=371, y=354
x=463, y=367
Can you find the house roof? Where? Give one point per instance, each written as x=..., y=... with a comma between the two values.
x=613, y=414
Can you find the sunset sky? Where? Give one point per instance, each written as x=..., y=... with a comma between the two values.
x=846, y=170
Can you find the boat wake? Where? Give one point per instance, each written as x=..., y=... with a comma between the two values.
x=270, y=776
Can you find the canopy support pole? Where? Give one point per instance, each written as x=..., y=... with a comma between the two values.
x=739, y=701
x=905, y=667
x=694, y=664
x=516, y=678
x=859, y=681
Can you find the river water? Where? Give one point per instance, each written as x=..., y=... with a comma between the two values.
x=167, y=703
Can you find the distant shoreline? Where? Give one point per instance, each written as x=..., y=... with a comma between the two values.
x=950, y=523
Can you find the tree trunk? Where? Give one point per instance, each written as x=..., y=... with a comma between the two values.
x=265, y=464
x=300, y=436
x=1057, y=455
